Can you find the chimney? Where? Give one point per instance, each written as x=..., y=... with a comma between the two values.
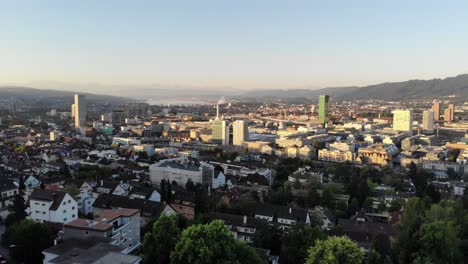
x=102, y=182
x=245, y=219
x=217, y=111
x=290, y=210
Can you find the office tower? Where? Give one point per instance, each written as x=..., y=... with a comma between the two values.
x=428, y=120
x=449, y=113
x=240, y=132
x=323, y=108
x=220, y=132
x=81, y=109
x=436, y=110
x=403, y=120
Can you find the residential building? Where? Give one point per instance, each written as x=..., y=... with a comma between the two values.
x=283, y=215
x=242, y=227
x=88, y=250
x=180, y=171
x=148, y=209
x=240, y=132
x=52, y=206
x=121, y=225
x=377, y=154
x=8, y=191
x=336, y=156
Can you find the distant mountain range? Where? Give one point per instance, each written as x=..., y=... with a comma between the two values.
x=413, y=89
x=455, y=87
x=33, y=94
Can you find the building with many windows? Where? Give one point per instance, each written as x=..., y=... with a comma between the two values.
x=52, y=206
x=121, y=225
x=336, y=156
x=240, y=132
x=403, y=120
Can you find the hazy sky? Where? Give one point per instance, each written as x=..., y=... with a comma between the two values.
x=232, y=43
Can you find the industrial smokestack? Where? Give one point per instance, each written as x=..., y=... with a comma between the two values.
x=217, y=111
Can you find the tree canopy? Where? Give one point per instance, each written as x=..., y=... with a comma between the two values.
x=27, y=239
x=211, y=243
x=335, y=250
x=161, y=240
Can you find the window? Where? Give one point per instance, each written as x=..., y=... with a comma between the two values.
x=65, y=219
x=69, y=201
x=73, y=216
x=73, y=208
x=43, y=213
x=64, y=211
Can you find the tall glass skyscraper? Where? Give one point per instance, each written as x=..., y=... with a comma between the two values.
x=323, y=108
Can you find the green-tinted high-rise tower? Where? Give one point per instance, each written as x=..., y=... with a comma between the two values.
x=323, y=108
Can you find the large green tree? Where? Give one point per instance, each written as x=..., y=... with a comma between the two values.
x=297, y=240
x=161, y=240
x=211, y=243
x=431, y=233
x=269, y=237
x=335, y=250
x=27, y=239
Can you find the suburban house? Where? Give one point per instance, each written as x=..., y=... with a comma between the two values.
x=282, y=215
x=242, y=227
x=52, y=206
x=8, y=191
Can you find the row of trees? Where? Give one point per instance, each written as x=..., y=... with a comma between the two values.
x=199, y=243
x=214, y=243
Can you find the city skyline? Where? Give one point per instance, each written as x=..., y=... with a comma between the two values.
x=240, y=45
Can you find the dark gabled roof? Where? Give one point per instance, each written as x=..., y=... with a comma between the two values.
x=236, y=220
x=140, y=190
x=48, y=195
x=146, y=207
x=7, y=184
x=185, y=196
x=364, y=232
x=279, y=211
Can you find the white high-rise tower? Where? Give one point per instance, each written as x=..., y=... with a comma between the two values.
x=81, y=109
x=240, y=132
x=428, y=120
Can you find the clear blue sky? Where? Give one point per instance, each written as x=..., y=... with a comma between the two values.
x=236, y=43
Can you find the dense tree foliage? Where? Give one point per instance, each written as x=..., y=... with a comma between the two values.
x=431, y=233
x=161, y=240
x=27, y=239
x=269, y=237
x=335, y=250
x=296, y=242
x=212, y=243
